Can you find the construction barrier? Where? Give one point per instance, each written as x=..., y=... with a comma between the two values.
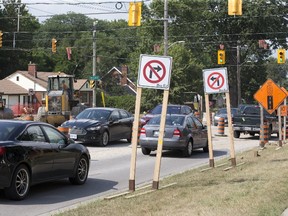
x=265, y=138
x=29, y=118
x=284, y=138
x=221, y=126
x=64, y=130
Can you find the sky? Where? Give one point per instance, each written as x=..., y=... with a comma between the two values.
x=95, y=9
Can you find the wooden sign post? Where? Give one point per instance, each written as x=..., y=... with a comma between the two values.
x=216, y=81
x=154, y=72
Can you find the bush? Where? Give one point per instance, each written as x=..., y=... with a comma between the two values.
x=126, y=102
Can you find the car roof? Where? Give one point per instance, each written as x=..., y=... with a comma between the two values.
x=103, y=108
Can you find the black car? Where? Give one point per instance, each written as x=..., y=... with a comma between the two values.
x=34, y=152
x=171, y=109
x=100, y=126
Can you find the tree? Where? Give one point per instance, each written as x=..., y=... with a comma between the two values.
x=16, y=51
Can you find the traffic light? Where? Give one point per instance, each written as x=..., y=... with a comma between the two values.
x=281, y=56
x=135, y=10
x=235, y=7
x=99, y=84
x=92, y=84
x=54, y=45
x=221, y=56
x=1, y=38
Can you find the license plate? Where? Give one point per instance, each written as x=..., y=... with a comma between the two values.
x=73, y=136
x=247, y=128
x=156, y=133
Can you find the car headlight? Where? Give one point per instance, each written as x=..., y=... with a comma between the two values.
x=93, y=128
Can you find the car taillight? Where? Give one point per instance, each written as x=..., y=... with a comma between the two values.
x=177, y=132
x=143, y=131
x=2, y=151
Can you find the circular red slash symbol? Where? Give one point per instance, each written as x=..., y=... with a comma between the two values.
x=154, y=71
x=217, y=80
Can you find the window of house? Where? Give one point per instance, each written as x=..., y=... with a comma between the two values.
x=17, y=78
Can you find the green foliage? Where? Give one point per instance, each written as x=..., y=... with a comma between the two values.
x=126, y=102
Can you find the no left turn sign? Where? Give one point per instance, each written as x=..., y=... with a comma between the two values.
x=154, y=72
x=215, y=80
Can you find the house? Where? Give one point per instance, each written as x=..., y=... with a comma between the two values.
x=28, y=89
x=120, y=77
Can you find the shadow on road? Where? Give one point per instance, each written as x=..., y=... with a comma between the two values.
x=61, y=191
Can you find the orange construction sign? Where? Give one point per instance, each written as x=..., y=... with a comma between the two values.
x=270, y=96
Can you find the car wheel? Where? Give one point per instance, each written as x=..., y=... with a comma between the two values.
x=146, y=151
x=20, y=184
x=236, y=134
x=206, y=148
x=187, y=152
x=81, y=172
x=104, y=139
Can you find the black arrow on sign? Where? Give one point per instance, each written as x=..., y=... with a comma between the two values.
x=158, y=68
x=213, y=78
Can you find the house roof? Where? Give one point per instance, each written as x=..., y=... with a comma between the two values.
x=11, y=88
x=79, y=84
x=42, y=78
x=119, y=71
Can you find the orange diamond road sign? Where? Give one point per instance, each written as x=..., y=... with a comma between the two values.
x=270, y=96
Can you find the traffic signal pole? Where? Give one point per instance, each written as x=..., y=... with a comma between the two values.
x=94, y=63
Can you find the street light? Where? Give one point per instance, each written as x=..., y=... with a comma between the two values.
x=176, y=42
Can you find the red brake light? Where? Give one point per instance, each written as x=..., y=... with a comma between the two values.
x=2, y=151
x=143, y=131
x=177, y=133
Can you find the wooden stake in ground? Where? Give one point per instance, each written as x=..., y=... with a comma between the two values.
x=231, y=138
x=155, y=184
x=135, y=140
x=209, y=131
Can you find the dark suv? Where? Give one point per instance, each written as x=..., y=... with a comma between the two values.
x=171, y=109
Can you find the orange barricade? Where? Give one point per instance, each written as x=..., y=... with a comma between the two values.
x=64, y=130
x=265, y=138
x=221, y=126
x=284, y=138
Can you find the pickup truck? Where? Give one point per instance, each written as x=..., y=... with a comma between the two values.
x=248, y=121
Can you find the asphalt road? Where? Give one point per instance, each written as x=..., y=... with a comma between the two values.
x=109, y=174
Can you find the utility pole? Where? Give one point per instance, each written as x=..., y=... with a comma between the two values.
x=238, y=74
x=155, y=184
x=18, y=24
x=94, y=63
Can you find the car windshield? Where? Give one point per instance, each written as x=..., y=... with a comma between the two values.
x=95, y=114
x=170, y=120
x=6, y=128
x=224, y=111
x=170, y=110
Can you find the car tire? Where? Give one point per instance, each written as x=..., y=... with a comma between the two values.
x=187, y=152
x=81, y=172
x=206, y=148
x=236, y=134
x=104, y=139
x=146, y=151
x=20, y=184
